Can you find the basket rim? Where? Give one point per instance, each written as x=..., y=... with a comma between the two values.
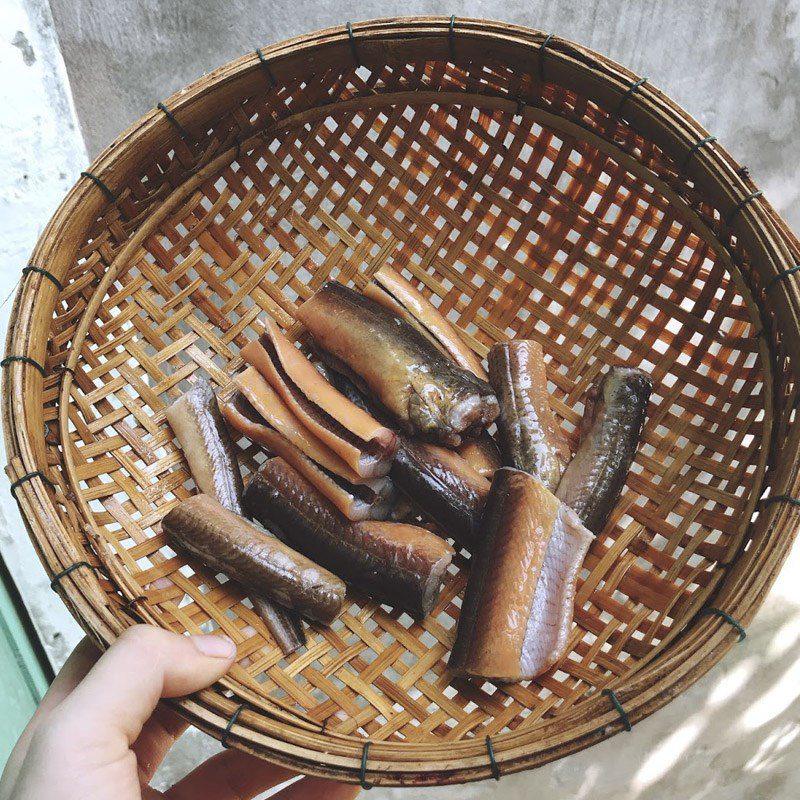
x=22, y=391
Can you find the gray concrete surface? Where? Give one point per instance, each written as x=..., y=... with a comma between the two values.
x=734, y=65
x=42, y=154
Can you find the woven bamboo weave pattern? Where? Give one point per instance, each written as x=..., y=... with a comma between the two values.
x=523, y=207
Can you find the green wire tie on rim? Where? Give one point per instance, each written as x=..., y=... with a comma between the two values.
x=782, y=498
x=100, y=185
x=718, y=612
x=223, y=740
x=64, y=368
x=623, y=714
x=174, y=122
x=362, y=775
x=27, y=477
x=23, y=360
x=451, y=37
x=628, y=93
x=776, y=279
x=129, y=604
x=694, y=148
x=265, y=66
x=49, y=275
x=352, y=37
x=741, y=204
x=495, y=767
x=55, y=583
x=545, y=42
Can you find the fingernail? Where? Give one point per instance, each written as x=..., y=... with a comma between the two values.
x=215, y=646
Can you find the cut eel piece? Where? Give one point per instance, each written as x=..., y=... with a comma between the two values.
x=400, y=297
x=529, y=434
x=261, y=563
x=517, y=610
x=482, y=454
x=211, y=455
x=425, y=392
x=358, y=439
x=285, y=626
x=269, y=405
x=443, y=485
x=616, y=407
x=195, y=418
x=370, y=500
x=403, y=299
x=395, y=563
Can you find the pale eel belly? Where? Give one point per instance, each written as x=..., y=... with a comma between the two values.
x=517, y=610
x=550, y=621
x=207, y=446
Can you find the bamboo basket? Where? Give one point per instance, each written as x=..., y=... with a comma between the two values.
x=532, y=188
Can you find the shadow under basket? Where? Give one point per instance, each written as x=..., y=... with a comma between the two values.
x=531, y=188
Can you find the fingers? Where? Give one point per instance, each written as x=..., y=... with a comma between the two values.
x=318, y=787
x=146, y=663
x=82, y=659
x=75, y=669
x=231, y=775
x=157, y=736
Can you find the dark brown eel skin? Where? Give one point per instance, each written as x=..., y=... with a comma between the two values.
x=211, y=454
x=529, y=435
x=616, y=407
x=285, y=626
x=444, y=485
x=422, y=388
x=395, y=563
x=261, y=563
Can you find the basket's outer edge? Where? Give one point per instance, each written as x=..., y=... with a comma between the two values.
x=650, y=112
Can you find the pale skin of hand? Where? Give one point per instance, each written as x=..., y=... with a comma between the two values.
x=101, y=732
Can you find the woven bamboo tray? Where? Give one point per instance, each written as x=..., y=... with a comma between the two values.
x=532, y=188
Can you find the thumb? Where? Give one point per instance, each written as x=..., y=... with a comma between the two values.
x=145, y=664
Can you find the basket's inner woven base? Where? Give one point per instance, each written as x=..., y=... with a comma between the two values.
x=514, y=230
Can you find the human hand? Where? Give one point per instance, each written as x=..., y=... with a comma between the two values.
x=100, y=732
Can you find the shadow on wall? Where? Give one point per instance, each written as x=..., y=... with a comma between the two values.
x=734, y=735
x=752, y=703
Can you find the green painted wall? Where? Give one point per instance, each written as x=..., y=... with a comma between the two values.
x=24, y=674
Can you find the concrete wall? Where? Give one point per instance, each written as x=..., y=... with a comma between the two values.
x=734, y=65
x=42, y=155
